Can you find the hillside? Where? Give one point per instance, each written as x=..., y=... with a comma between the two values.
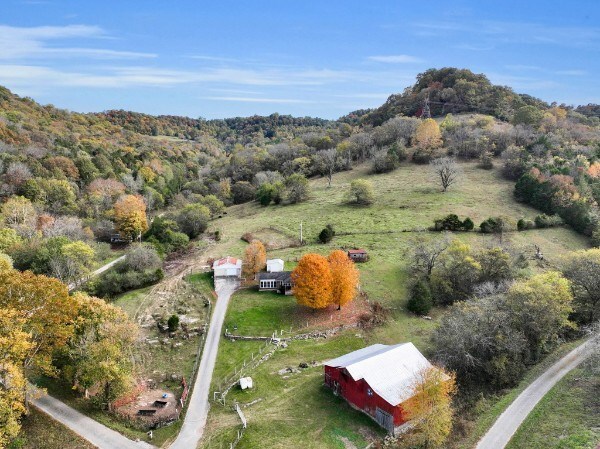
x=406, y=201
x=524, y=194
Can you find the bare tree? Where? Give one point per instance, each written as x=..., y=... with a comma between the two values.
x=446, y=171
x=427, y=252
x=329, y=159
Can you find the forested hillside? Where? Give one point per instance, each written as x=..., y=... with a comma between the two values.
x=70, y=183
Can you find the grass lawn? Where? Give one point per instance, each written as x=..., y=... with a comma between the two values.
x=567, y=418
x=40, y=431
x=297, y=411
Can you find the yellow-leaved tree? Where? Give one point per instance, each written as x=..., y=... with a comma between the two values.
x=312, y=281
x=47, y=310
x=130, y=216
x=15, y=344
x=428, y=135
x=99, y=353
x=344, y=278
x=255, y=258
x=429, y=410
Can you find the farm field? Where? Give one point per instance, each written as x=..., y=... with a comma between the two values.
x=407, y=200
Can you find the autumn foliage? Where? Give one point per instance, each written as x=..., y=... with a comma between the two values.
x=130, y=216
x=430, y=408
x=428, y=134
x=320, y=282
x=255, y=258
x=313, y=281
x=345, y=278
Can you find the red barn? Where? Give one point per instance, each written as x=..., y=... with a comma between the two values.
x=377, y=380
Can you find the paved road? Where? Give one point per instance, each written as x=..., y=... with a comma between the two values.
x=100, y=270
x=507, y=424
x=96, y=433
x=197, y=412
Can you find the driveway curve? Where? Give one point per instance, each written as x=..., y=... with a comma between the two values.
x=195, y=418
x=96, y=433
x=507, y=424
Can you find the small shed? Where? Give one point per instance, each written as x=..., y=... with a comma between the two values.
x=227, y=267
x=358, y=255
x=377, y=380
x=246, y=383
x=275, y=265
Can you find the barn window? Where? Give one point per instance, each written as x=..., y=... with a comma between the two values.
x=369, y=392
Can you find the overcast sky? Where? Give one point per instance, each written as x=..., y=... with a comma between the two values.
x=319, y=58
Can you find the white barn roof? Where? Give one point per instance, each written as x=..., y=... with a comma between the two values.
x=390, y=371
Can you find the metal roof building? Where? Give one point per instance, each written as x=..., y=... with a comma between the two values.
x=377, y=380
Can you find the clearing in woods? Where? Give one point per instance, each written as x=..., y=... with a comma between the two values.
x=406, y=200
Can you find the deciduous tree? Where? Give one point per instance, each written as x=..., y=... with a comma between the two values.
x=312, y=280
x=130, y=216
x=47, y=310
x=541, y=306
x=15, y=344
x=99, y=352
x=361, y=192
x=428, y=135
x=445, y=171
x=344, y=278
x=429, y=409
x=582, y=268
x=255, y=258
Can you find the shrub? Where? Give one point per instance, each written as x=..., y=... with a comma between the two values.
x=468, y=224
x=420, y=301
x=523, y=224
x=361, y=192
x=327, y=234
x=173, y=323
x=486, y=160
x=385, y=161
x=547, y=221
x=452, y=223
x=496, y=225
x=247, y=237
x=376, y=316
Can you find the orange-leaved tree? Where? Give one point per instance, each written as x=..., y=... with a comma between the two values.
x=130, y=216
x=430, y=408
x=345, y=278
x=255, y=258
x=313, y=281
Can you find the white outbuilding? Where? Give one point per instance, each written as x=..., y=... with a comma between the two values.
x=274, y=265
x=246, y=383
x=227, y=267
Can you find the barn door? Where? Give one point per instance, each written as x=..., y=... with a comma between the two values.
x=384, y=419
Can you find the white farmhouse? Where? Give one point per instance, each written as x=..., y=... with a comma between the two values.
x=227, y=267
x=274, y=265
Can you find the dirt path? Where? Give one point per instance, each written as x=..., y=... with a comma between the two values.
x=96, y=433
x=195, y=418
x=507, y=424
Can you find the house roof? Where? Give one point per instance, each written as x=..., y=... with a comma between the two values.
x=357, y=251
x=275, y=276
x=227, y=261
x=390, y=371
